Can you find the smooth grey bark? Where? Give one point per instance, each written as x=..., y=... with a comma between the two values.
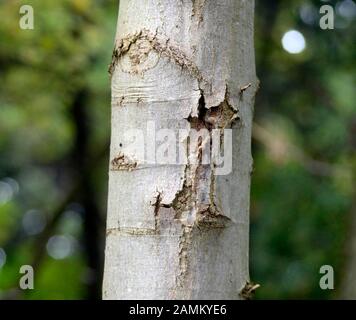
x=180, y=231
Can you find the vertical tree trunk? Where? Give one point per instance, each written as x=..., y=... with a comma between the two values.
x=180, y=231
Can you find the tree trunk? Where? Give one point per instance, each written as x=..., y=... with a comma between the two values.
x=178, y=218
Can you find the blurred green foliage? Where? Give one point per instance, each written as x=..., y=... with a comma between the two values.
x=46, y=73
x=302, y=184
x=55, y=122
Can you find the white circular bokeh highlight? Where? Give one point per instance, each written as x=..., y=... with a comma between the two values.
x=293, y=42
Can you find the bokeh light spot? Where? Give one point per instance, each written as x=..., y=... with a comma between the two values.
x=60, y=247
x=293, y=42
x=2, y=257
x=6, y=192
x=33, y=222
x=346, y=9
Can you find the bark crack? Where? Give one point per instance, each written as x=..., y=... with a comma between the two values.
x=157, y=205
x=186, y=203
x=189, y=208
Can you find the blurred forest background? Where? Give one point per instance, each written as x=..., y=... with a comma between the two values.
x=54, y=143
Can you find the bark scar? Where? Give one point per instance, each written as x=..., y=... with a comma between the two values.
x=123, y=163
x=187, y=203
x=157, y=204
x=159, y=44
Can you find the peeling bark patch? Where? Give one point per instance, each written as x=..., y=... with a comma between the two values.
x=218, y=117
x=183, y=200
x=123, y=163
x=222, y=116
x=248, y=290
x=140, y=44
x=194, y=203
